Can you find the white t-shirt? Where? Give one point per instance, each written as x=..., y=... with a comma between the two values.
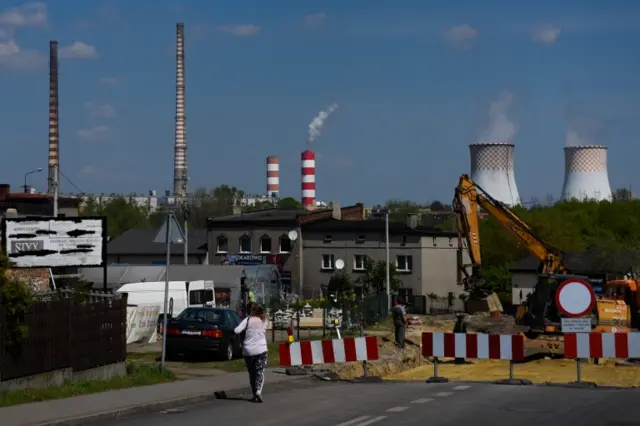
x=255, y=338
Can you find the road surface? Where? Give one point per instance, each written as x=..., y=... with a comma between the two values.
x=409, y=404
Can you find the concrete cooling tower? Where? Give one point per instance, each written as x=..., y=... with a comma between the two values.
x=585, y=173
x=492, y=170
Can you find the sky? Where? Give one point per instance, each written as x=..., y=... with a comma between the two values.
x=415, y=83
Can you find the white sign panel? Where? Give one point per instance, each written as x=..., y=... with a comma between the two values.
x=576, y=325
x=53, y=242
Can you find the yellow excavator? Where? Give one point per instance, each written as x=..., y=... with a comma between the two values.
x=538, y=315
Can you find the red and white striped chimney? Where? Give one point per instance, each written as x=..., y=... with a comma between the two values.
x=273, y=177
x=308, y=179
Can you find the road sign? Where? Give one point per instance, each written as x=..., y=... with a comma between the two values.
x=575, y=298
x=576, y=325
x=176, y=234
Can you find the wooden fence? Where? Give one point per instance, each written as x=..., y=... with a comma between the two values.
x=66, y=330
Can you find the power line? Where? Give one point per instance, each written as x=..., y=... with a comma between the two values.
x=70, y=181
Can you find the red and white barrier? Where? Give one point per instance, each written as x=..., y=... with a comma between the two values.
x=602, y=345
x=473, y=346
x=329, y=351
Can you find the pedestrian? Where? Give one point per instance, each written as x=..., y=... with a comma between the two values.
x=254, y=348
x=399, y=321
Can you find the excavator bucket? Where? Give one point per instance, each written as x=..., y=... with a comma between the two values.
x=489, y=305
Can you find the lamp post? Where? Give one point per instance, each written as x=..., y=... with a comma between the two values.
x=379, y=212
x=27, y=174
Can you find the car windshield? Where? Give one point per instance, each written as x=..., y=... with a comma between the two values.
x=211, y=316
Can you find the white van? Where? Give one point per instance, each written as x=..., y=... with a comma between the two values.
x=182, y=294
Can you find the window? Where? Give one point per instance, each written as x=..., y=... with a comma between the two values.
x=328, y=261
x=245, y=244
x=265, y=244
x=404, y=263
x=223, y=244
x=200, y=297
x=285, y=244
x=327, y=238
x=360, y=239
x=359, y=262
x=212, y=316
x=403, y=240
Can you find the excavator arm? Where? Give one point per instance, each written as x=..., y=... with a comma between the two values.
x=469, y=198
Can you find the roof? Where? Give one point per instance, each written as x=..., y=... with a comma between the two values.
x=140, y=241
x=118, y=275
x=373, y=225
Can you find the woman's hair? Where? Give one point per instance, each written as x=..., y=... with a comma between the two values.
x=257, y=311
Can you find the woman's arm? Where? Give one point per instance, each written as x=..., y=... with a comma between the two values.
x=242, y=326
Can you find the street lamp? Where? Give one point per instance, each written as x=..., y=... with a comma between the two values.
x=378, y=212
x=26, y=187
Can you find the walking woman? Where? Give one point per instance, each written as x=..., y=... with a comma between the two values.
x=255, y=348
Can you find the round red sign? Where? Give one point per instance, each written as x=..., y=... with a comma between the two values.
x=575, y=298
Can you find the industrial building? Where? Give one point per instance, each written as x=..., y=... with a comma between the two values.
x=492, y=169
x=585, y=173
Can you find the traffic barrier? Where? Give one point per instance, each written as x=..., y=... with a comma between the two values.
x=473, y=346
x=580, y=346
x=349, y=349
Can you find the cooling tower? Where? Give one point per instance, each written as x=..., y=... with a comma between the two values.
x=54, y=132
x=180, y=154
x=492, y=169
x=273, y=177
x=308, y=179
x=585, y=173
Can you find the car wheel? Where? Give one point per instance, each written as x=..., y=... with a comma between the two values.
x=226, y=354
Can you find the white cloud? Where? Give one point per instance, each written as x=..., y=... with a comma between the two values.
x=315, y=20
x=244, y=30
x=100, y=111
x=28, y=15
x=461, y=36
x=15, y=58
x=93, y=133
x=546, y=34
x=110, y=81
x=78, y=50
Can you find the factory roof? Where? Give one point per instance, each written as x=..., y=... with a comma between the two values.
x=374, y=225
x=140, y=241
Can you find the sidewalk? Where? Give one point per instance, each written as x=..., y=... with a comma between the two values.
x=101, y=406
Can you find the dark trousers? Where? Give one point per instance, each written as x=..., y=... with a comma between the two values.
x=256, y=365
x=400, y=336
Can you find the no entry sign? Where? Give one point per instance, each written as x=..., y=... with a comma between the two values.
x=575, y=298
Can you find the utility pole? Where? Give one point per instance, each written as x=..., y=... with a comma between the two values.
x=186, y=209
x=56, y=189
x=388, y=274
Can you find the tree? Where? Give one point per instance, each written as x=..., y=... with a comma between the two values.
x=219, y=201
x=373, y=279
x=121, y=214
x=341, y=285
x=289, y=203
x=400, y=209
x=622, y=194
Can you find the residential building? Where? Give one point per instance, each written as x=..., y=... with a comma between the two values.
x=36, y=204
x=138, y=247
x=149, y=202
x=426, y=258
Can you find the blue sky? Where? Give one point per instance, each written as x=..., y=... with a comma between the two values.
x=413, y=79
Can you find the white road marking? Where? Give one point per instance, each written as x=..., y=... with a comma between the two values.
x=421, y=400
x=354, y=421
x=370, y=421
x=443, y=394
x=461, y=387
x=397, y=409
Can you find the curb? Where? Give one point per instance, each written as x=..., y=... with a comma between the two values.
x=151, y=407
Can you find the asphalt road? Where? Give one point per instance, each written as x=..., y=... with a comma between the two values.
x=409, y=404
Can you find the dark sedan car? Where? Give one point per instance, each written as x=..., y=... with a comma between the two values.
x=198, y=330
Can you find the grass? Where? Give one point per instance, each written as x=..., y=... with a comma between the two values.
x=137, y=375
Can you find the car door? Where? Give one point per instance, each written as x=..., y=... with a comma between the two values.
x=234, y=320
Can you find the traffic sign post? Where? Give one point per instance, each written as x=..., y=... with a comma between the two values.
x=576, y=299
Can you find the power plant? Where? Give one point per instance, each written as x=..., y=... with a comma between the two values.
x=180, y=174
x=585, y=173
x=54, y=130
x=492, y=168
x=308, y=179
x=273, y=177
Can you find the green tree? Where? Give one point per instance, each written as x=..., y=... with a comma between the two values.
x=222, y=200
x=373, y=279
x=121, y=214
x=289, y=203
x=400, y=209
x=341, y=285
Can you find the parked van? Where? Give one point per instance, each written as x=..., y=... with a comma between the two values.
x=182, y=294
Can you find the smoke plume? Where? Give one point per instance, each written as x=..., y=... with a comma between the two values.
x=500, y=128
x=584, y=127
x=316, y=125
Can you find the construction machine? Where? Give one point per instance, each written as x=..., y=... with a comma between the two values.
x=538, y=315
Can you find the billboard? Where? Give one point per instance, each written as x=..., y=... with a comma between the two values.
x=37, y=242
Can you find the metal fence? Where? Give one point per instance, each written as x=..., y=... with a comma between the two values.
x=65, y=330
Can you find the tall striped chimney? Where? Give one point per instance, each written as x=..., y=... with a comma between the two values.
x=273, y=177
x=180, y=153
x=54, y=132
x=308, y=179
